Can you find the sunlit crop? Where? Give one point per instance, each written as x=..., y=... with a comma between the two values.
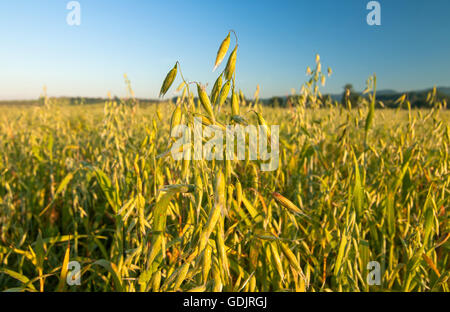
x=98, y=185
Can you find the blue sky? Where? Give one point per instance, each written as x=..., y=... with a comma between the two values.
x=277, y=40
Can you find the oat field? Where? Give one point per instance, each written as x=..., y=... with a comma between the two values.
x=355, y=185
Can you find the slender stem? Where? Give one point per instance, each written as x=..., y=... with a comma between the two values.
x=231, y=30
x=182, y=77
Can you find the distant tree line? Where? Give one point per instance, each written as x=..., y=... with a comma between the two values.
x=388, y=99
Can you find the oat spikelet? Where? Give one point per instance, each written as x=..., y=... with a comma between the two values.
x=216, y=90
x=231, y=64
x=222, y=51
x=168, y=80
x=234, y=104
x=204, y=100
x=286, y=203
x=224, y=93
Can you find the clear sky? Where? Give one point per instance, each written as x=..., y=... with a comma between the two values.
x=277, y=40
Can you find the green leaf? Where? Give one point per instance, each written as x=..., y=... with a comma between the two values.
x=18, y=276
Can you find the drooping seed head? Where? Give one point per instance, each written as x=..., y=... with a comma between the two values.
x=216, y=90
x=206, y=121
x=242, y=97
x=158, y=113
x=290, y=256
x=262, y=122
x=286, y=203
x=222, y=51
x=220, y=189
x=231, y=64
x=239, y=119
x=256, y=95
x=234, y=103
x=176, y=118
x=168, y=80
x=180, y=86
x=204, y=100
x=238, y=193
x=224, y=92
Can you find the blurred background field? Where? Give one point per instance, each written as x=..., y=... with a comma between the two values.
x=89, y=174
